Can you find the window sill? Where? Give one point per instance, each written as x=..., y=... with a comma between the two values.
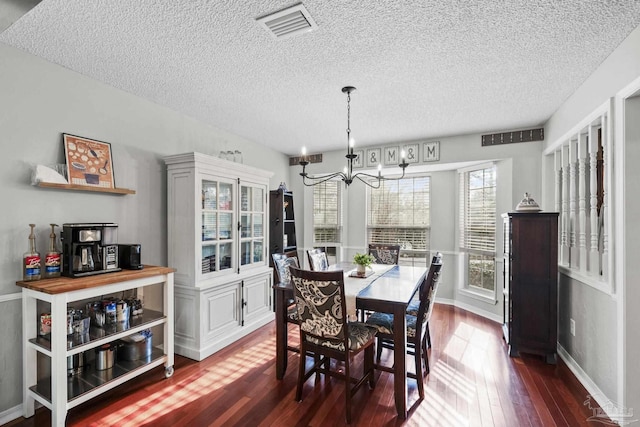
x=594, y=282
x=487, y=297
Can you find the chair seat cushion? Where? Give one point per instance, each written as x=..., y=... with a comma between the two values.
x=384, y=323
x=359, y=335
x=413, y=307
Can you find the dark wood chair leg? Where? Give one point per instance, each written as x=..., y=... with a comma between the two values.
x=428, y=337
x=347, y=390
x=419, y=372
x=368, y=366
x=378, y=349
x=301, y=371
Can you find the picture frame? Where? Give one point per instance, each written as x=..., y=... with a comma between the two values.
x=391, y=156
x=431, y=151
x=358, y=162
x=374, y=157
x=89, y=162
x=411, y=153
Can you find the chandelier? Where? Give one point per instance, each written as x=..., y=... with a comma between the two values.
x=347, y=174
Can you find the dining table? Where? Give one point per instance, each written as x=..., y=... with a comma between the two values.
x=388, y=289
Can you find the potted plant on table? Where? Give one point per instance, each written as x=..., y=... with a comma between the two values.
x=362, y=261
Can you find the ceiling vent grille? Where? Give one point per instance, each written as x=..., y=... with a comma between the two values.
x=288, y=22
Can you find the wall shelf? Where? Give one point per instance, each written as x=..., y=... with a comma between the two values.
x=89, y=188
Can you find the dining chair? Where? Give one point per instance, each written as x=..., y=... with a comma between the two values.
x=281, y=262
x=325, y=332
x=417, y=327
x=384, y=254
x=318, y=260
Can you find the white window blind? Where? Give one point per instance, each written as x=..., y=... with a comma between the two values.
x=399, y=213
x=478, y=199
x=327, y=212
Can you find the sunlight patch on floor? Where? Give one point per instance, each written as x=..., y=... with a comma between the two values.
x=198, y=385
x=468, y=345
x=454, y=380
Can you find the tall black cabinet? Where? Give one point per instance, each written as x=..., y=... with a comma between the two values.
x=282, y=225
x=531, y=283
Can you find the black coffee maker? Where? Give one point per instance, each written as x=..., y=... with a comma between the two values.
x=90, y=248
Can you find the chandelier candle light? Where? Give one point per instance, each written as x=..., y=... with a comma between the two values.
x=347, y=174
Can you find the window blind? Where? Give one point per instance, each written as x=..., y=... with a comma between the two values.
x=327, y=220
x=399, y=213
x=478, y=199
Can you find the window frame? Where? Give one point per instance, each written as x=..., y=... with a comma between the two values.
x=325, y=245
x=487, y=295
x=405, y=253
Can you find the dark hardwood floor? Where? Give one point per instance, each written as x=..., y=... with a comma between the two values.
x=472, y=382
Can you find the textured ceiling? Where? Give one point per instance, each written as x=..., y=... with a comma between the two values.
x=423, y=68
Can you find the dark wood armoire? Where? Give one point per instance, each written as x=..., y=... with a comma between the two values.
x=531, y=283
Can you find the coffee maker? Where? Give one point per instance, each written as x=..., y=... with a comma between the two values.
x=89, y=248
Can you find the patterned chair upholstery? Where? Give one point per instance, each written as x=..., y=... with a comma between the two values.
x=385, y=254
x=317, y=260
x=281, y=263
x=325, y=332
x=417, y=326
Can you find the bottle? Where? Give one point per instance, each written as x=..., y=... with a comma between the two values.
x=31, y=259
x=52, y=259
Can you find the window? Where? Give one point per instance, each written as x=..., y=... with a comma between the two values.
x=478, y=226
x=398, y=213
x=327, y=217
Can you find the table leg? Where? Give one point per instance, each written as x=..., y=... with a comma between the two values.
x=399, y=360
x=281, y=333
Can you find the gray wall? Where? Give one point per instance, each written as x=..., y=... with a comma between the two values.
x=41, y=100
x=519, y=171
x=600, y=347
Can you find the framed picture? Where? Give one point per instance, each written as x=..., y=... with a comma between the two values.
x=373, y=157
x=88, y=161
x=358, y=162
x=431, y=151
x=391, y=156
x=411, y=153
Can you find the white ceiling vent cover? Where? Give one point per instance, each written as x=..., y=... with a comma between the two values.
x=288, y=22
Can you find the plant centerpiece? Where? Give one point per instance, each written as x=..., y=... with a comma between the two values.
x=362, y=261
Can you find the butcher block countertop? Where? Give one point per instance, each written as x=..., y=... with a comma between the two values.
x=59, y=285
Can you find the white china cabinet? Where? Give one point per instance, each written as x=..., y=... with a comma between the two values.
x=217, y=241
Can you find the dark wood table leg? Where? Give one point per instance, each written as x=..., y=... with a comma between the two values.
x=281, y=333
x=399, y=360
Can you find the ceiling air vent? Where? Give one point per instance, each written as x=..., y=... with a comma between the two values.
x=288, y=22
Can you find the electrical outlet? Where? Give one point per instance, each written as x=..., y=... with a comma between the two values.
x=572, y=325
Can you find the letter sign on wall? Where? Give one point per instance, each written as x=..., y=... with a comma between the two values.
x=431, y=151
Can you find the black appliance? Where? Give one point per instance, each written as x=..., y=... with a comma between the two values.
x=89, y=248
x=129, y=256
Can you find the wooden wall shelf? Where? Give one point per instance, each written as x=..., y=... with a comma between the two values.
x=89, y=188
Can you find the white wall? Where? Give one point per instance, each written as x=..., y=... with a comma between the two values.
x=38, y=102
x=600, y=348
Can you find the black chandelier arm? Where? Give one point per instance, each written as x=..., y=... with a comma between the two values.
x=315, y=180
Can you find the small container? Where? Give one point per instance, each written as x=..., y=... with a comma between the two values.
x=75, y=364
x=135, y=347
x=105, y=356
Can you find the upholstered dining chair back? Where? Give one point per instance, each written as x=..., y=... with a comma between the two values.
x=281, y=262
x=319, y=297
x=317, y=260
x=428, y=290
x=384, y=254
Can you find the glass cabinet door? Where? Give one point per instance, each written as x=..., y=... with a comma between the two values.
x=217, y=226
x=252, y=219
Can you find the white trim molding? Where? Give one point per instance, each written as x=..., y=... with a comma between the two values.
x=470, y=308
x=10, y=297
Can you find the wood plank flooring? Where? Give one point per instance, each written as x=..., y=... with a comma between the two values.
x=472, y=382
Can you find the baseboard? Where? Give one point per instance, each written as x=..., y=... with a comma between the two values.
x=10, y=297
x=10, y=414
x=604, y=409
x=472, y=309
